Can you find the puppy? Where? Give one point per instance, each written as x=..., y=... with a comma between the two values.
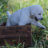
x=26, y=15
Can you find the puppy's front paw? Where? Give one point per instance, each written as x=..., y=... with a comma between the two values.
x=43, y=27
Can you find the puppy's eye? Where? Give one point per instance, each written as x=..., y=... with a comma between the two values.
x=39, y=14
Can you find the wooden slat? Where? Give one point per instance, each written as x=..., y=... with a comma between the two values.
x=16, y=32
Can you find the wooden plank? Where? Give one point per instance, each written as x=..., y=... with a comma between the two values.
x=15, y=33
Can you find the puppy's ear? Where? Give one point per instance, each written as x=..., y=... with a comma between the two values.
x=31, y=15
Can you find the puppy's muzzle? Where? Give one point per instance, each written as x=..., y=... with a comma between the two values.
x=38, y=19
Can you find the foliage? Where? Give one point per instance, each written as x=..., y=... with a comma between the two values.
x=14, y=46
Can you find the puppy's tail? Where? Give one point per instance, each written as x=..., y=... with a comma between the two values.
x=8, y=14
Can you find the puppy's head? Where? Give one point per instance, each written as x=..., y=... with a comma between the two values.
x=37, y=12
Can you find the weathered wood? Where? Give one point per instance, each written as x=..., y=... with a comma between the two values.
x=18, y=33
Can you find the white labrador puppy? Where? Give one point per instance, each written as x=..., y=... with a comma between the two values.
x=26, y=15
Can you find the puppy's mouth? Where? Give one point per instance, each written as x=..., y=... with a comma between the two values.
x=36, y=19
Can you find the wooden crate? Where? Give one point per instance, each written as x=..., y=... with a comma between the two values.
x=19, y=33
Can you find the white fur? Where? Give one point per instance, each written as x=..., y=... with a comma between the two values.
x=22, y=16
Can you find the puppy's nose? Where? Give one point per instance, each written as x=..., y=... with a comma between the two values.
x=41, y=18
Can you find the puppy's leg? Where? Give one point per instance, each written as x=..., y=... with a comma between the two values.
x=8, y=23
x=22, y=23
x=38, y=24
